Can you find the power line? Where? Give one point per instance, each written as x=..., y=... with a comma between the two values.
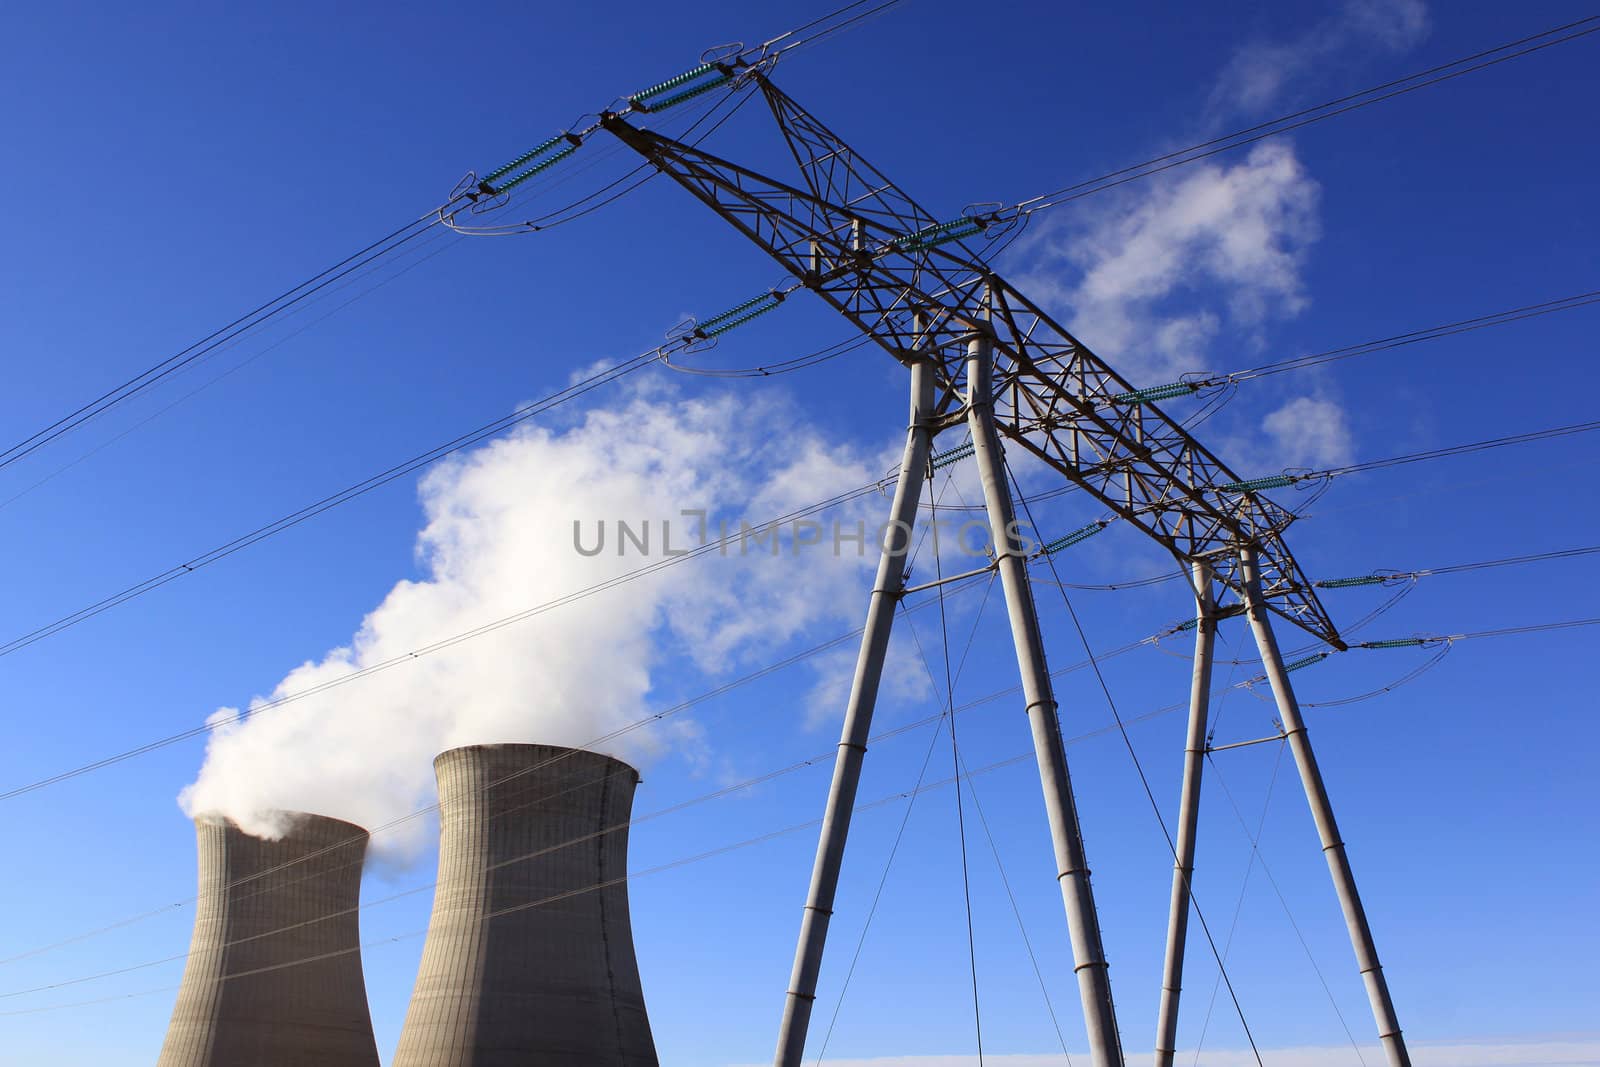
x=588, y=204
x=763, y=672
x=1350, y=469
x=525, y=905
x=592, y=743
x=955, y=767
x=1405, y=679
x=1458, y=568
x=440, y=645
x=978, y=806
x=920, y=787
x=964, y=774
x=509, y=619
x=1461, y=450
x=465, y=194
x=655, y=717
x=905, y=819
x=785, y=366
x=530, y=612
x=1443, y=642
x=883, y=881
x=1257, y=855
x=1292, y=478
x=1432, y=333
x=1385, y=577
x=1283, y=124
x=236, y=368
x=1016, y=911
x=1138, y=767
x=596, y=742
x=415, y=463
x=1391, y=577
x=350, y=492
x=398, y=237
x=840, y=27
x=685, y=341
x=1238, y=910
x=251, y=319
x=541, y=851
x=1201, y=381
x=1536, y=628
x=316, y=508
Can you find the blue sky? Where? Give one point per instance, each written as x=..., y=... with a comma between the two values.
x=170, y=168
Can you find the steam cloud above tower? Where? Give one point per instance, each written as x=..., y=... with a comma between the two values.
x=498, y=539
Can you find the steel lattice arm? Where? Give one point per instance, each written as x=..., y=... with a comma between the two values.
x=913, y=284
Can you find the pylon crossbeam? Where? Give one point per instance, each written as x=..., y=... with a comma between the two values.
x=843, y=230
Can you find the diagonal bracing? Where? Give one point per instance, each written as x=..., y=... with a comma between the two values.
x=916, y=284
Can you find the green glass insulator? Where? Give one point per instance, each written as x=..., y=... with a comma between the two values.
x=532, y=153
x=672, y=83
x=1351, y=583
x=1396, y=642
x=687, y=94
x=1251, y=485
x=741, y=320
x=1156, y=392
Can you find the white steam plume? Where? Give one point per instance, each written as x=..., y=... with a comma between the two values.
x=499, y=538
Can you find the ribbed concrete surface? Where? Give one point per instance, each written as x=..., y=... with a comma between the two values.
x=274, y=970
x=526, y=963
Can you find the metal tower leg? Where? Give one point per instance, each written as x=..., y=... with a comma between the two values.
x=1194, y=754
x=1083, y=924
x=858, y=719
x=1344, y=881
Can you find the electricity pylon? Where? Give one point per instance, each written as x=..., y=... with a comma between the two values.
x=982, y=355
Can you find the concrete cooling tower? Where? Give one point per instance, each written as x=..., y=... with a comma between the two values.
x=526, y=961
x=274, y=970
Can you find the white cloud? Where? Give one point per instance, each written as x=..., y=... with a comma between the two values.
x=1308, y=432
x=498, y=538
x=1147, y=280
x=1187, y=271
x=1533, y=1052
x=1395, y=24
x=1260, y=72
x=904, y=678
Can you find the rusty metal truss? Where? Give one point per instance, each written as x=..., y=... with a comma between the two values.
x=915, y=284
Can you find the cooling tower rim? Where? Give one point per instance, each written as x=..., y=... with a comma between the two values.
x=297, y=820
x=558, y=752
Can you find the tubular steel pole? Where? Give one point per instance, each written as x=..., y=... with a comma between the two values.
x=1344, y=881
x=1083, y=924
x=858, y=719
x=1194, y=756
